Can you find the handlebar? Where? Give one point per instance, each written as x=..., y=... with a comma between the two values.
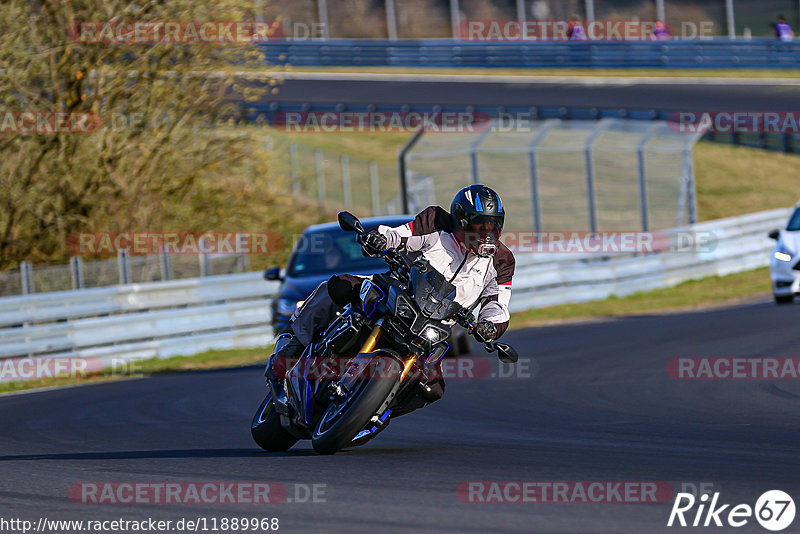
x=401, y=263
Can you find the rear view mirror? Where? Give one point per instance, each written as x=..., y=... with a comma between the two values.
x=506, y=353
x=350, y=223
x=774, y=234
x=273, y=273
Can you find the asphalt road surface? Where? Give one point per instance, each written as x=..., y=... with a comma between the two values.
x=598, y=406
x=666, y=96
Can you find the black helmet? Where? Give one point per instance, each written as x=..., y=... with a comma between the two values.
x=475, y=205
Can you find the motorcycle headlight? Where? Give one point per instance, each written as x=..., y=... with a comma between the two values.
x=431, y=334
x=782, y=255
x=288, y=306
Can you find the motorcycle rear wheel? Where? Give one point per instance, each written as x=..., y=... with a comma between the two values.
x=267, y=430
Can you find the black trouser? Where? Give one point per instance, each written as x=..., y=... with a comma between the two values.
x=319, y=310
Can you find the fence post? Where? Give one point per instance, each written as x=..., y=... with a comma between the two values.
x=76, y=270
x=590, y=9
x=401, y=165
x=643, y=201
x=454, y=18
x=322, y=6
x=391, y=20
x=521, y=10
x=165, y=263
x=320, y=176
x=26, y=275
x=202, y=257
x=591, y=197
x=243, y=263
x=691, y=197
x=660, y=13
x=533, y=168
x=347, y=190
x=293, y=167
x=374, y=185
x=729, y=18
x=124, y=267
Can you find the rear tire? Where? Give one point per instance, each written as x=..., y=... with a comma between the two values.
x=267, y=430
x=784, y=299
x=334, y=433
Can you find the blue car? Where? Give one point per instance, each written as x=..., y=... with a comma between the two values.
x=322, y=251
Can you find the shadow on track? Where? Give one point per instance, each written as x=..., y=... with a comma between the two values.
x=203, y=453
x=135, y=455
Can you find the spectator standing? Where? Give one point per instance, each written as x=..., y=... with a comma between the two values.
x=660, y=32
x=576, y=31
x=782, y=29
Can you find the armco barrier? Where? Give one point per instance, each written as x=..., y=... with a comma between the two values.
x=741, y=244
x=164, y=319
x=718, y=53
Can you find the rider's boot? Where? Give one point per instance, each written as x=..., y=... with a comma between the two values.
x=287, y=349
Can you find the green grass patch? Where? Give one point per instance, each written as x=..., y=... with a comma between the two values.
x=694, y=294
x=213, y=359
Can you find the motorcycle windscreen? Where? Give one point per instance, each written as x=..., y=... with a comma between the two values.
x=434, y=295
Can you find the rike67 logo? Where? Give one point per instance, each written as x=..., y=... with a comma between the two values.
x=774, y=510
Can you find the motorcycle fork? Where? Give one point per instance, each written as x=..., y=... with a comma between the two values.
x=372, y=341
x=409, y=363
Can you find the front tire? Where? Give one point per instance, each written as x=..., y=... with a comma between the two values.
x=267, y=430
x=341, y=422
x=784, y=299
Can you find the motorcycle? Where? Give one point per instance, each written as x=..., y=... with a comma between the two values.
x=372, y=361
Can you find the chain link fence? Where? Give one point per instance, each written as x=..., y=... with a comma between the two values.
x=602, y=175
x=124, y=269
x=338, y=181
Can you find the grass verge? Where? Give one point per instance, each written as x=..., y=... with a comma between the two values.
x=213, y=359
x=691, y=295
x=712, y=291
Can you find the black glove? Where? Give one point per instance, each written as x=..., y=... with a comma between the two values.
x=373, y=244
x=485, y=331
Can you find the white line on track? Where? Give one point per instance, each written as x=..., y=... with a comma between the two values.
x=531, y=79
x=66, y=386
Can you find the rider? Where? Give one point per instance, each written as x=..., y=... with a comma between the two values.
x=464, y=245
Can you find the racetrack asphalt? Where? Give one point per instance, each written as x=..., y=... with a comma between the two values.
x=667, y=96
x=598, y=406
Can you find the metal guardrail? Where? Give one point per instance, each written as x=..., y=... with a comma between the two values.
x=741, y=244
x=183, y=317
x=68, y=305
x=718, y=53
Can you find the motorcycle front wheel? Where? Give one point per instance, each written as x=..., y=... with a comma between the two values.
x=343, y=420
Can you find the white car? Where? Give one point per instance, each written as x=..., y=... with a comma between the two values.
x=784, y=264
